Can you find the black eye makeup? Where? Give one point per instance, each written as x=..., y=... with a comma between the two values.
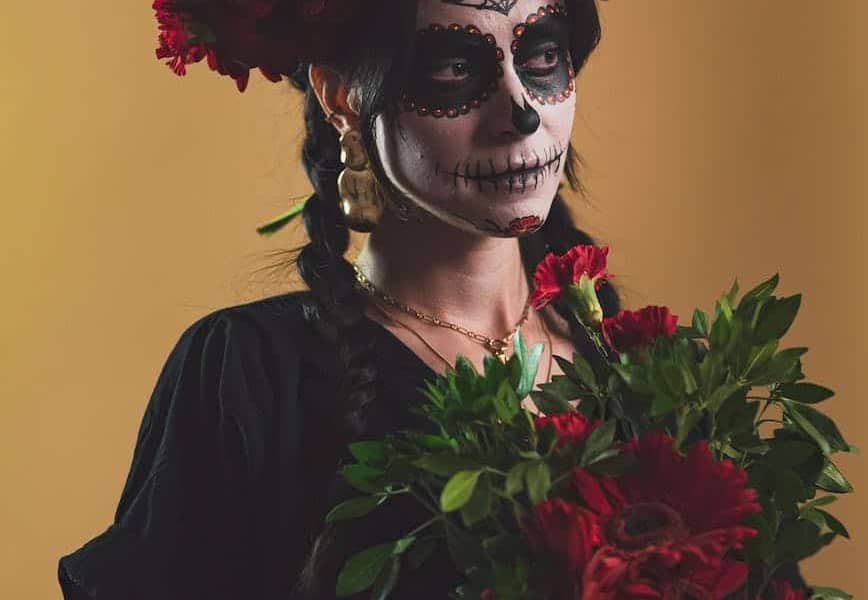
x=455, y=69
x=541, y=54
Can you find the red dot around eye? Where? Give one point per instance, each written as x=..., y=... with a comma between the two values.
x=490, y=39
x=514, y=46
x=475, y=103
x=452, y=113
x=519, y=30
x=541, y=11
x=464, y=109
x=551, y=99
x=438, y=112
x=422, y=111
x=532, y=19
x=499, y=54
x=455, y=27
x=473, y=29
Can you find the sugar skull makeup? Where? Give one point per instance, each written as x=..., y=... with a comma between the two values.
x=486, y=114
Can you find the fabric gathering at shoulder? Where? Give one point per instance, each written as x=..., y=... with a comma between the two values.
x=188, y=518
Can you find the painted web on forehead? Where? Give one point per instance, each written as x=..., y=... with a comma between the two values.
x=501, y=6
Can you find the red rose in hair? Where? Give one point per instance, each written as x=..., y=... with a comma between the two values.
x=556, y=273
x=568, y=534
x=571, y=427
x=669, y=521
x=629, y=330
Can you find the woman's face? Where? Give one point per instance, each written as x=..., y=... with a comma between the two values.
x=486, y=114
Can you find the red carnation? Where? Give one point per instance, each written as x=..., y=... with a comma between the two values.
x=571, y=427
x=629, y=330
x=782, y=590
x=670, y=520
x=557, y=273
x=568, y=534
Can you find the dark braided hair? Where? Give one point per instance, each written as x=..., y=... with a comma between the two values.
x=334, y=307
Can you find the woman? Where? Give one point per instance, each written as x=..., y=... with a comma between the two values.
x=448, y=124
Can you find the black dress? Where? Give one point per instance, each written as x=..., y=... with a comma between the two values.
x=220, y=498
x=224, y=495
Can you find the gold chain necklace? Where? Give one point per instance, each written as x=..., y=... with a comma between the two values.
x=446, y=360
x=496, y=346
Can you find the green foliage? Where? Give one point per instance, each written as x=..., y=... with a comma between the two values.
x=482, y=465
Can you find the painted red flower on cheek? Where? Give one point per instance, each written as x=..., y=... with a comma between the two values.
x=555, y=274
x=570, y=427
x=629, y=330
x=670, y=521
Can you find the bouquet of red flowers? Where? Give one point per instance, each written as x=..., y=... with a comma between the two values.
x=687, y=462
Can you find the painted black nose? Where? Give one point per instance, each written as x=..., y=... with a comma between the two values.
x=526, y=119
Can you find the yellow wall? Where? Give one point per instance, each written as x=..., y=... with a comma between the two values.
x=722, y=138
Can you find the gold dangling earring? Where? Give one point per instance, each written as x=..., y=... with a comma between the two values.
x=361, y=197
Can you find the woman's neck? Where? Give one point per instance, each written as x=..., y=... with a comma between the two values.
x=476, y=281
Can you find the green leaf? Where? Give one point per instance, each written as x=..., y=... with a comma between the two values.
x=759, y=357
x=822, y=501
x=776, y=317
x=528, y=370
x=371, y=453
x=721, y=394
x=562, y=386
x=834, y=524
x=613, y=466
x=797, y=540
x=429, y=442
x=386, y=580
x=832, y=480
x=281, y=221
x=817, y=425
x=458, y=490
x=760, y=292
x=421, y=552
x=805, y=393
x=662, y=404
x=362, y=569
x=479, y=506
x=700, y=322
x=583, y=370
x=783, y=367
x=357, y=507
x=549, y=403
x=364, y=478
x=538, y=480
x=829, y=593
x=598, y=442
x=515, y=479
x=445, y=465
x=506, y=403
x=788, y=454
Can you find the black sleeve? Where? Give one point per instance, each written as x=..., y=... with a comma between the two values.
x=185, y=523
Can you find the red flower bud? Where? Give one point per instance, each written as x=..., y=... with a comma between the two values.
x=630, y=330
x=571, y=427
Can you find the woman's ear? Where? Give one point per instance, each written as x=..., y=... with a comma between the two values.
x=335, y=97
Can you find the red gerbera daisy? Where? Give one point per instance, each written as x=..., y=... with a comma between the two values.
x=670, y=519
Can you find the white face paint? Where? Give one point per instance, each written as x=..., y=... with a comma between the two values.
x=487, y=116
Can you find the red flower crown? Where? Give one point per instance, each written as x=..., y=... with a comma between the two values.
x=236, y=36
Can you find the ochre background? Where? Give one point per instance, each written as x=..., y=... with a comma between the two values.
x=722, y=139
